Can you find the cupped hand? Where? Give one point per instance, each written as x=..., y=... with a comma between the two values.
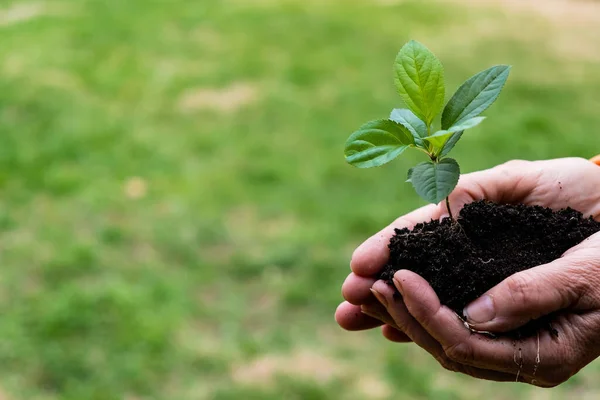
x=566, y=285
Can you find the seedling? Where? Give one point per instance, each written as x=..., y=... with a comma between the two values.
x=420, y=82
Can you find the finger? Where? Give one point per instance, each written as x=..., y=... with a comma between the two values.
x=520, y=298
x=394, y=335
x=423, y=339
x=351, y=318
x=357, y=289
x=510, y=182
x=371, y=256
x=379, y=312
x=404, y=321
x=536, y=292
x=459, y=344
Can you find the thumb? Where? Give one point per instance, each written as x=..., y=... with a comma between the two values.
x=527, y=295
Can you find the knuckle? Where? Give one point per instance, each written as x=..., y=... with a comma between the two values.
x=583, y=276
x=425, y=316
x=521, y=288
x=446, y=363
x=460, y=352
x=514, y=164
x=513, y=169
x=577, y=286
x=401, y=318
x=400, y=324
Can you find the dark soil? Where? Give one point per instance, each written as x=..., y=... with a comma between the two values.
x=463, y=259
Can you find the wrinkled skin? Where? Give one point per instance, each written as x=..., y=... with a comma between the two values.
x=569, y=286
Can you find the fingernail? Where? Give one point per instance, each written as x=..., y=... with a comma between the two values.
x=365, y=309
x=398, y=286
x=444, y=216
x=380, y=297
x=480, y=311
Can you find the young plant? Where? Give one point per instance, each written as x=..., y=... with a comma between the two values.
x=420, y=83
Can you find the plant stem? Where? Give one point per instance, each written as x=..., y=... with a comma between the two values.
x=435, y=160
x=448, y=207
x=428, y=145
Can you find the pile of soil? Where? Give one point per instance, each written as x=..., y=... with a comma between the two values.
x=488, y=242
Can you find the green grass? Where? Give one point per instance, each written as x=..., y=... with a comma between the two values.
x=217, y=276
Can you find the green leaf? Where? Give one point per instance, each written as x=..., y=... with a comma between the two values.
x=451, y=143
x=445, y=140
x=409, y=175
x=410, y=121
x=420, y=80
x=468, y=124
x=475, y=96
x=376, y=143
x=439, y=139
x=435, y=181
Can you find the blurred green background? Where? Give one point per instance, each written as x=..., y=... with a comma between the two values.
x=176, y=217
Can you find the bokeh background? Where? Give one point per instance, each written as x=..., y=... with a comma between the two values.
x=176, y=217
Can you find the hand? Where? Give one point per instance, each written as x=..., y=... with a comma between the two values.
x=565, y=285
